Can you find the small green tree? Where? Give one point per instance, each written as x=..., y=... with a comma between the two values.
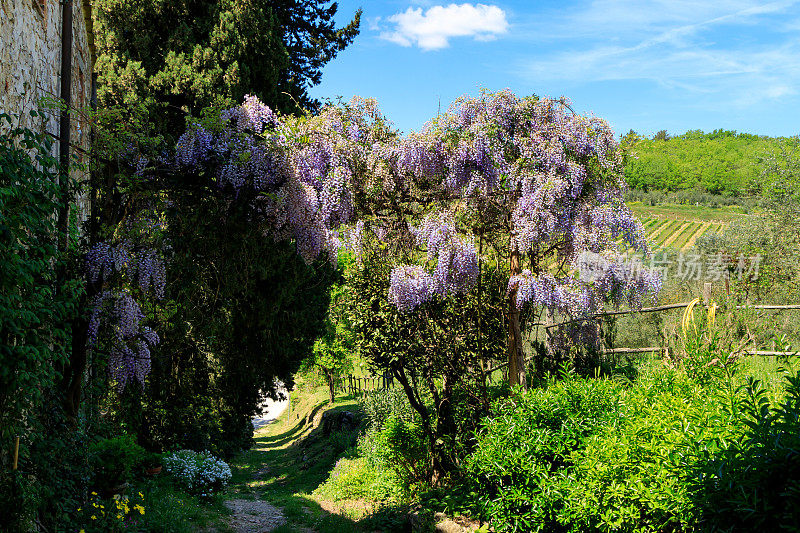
x=332, y=354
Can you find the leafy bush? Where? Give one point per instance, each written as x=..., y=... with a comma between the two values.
x=390, y=456
x=380, y=405
x=113, y=459
x=752, y=483
x=667, y=453
x=634, y=474
x=395, y=440
x=198, y=472
x=402, y=446
x=526, y=449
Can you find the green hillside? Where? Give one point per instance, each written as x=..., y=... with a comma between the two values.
x=721, y=162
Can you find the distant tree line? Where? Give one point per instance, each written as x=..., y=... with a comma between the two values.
x=720, y=162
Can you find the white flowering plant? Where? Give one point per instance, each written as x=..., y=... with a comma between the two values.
x=198, y=472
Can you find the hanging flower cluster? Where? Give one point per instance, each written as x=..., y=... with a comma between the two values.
x=116, y=311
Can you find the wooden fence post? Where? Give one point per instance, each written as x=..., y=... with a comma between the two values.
x=707, y=292
x=16, y=453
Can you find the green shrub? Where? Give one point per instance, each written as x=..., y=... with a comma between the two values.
x=752, y=481
x=667, y=453
x=113, y=459
x=390, y=456
x=402, y=446
x=527, y=448
x=395, y=439
x=634, y=475
x=357, y=478
x=380, y=405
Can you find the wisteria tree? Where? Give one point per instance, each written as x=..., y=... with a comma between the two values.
x=530, y=181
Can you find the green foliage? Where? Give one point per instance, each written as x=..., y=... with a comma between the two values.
x=401, y=445
x=720, y=162
x=753, y=482
x=526, y=450
x=358, y=478
x=172, y=58
x=34, y=336
x=381, y=405
x=38, y=300
x=665, y=453
x=633, y=475
x=113, y=459
x=391, y=455
x=690, y=197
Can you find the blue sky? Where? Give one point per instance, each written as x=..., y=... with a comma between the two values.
x=642, y=65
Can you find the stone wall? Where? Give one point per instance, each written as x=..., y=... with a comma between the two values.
x=30, y=66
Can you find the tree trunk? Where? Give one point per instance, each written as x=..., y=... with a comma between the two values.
x=331, y=385
x=516, y=360
x=439, y=465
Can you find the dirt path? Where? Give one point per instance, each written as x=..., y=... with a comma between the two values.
x=256, y=515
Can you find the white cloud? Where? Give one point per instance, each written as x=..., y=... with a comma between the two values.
x=432, y=29
x=374, y=23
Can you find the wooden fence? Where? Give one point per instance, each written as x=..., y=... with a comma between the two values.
x=664, y=350
x=359, y=386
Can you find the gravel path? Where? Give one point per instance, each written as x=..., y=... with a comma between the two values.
x=254, y=516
